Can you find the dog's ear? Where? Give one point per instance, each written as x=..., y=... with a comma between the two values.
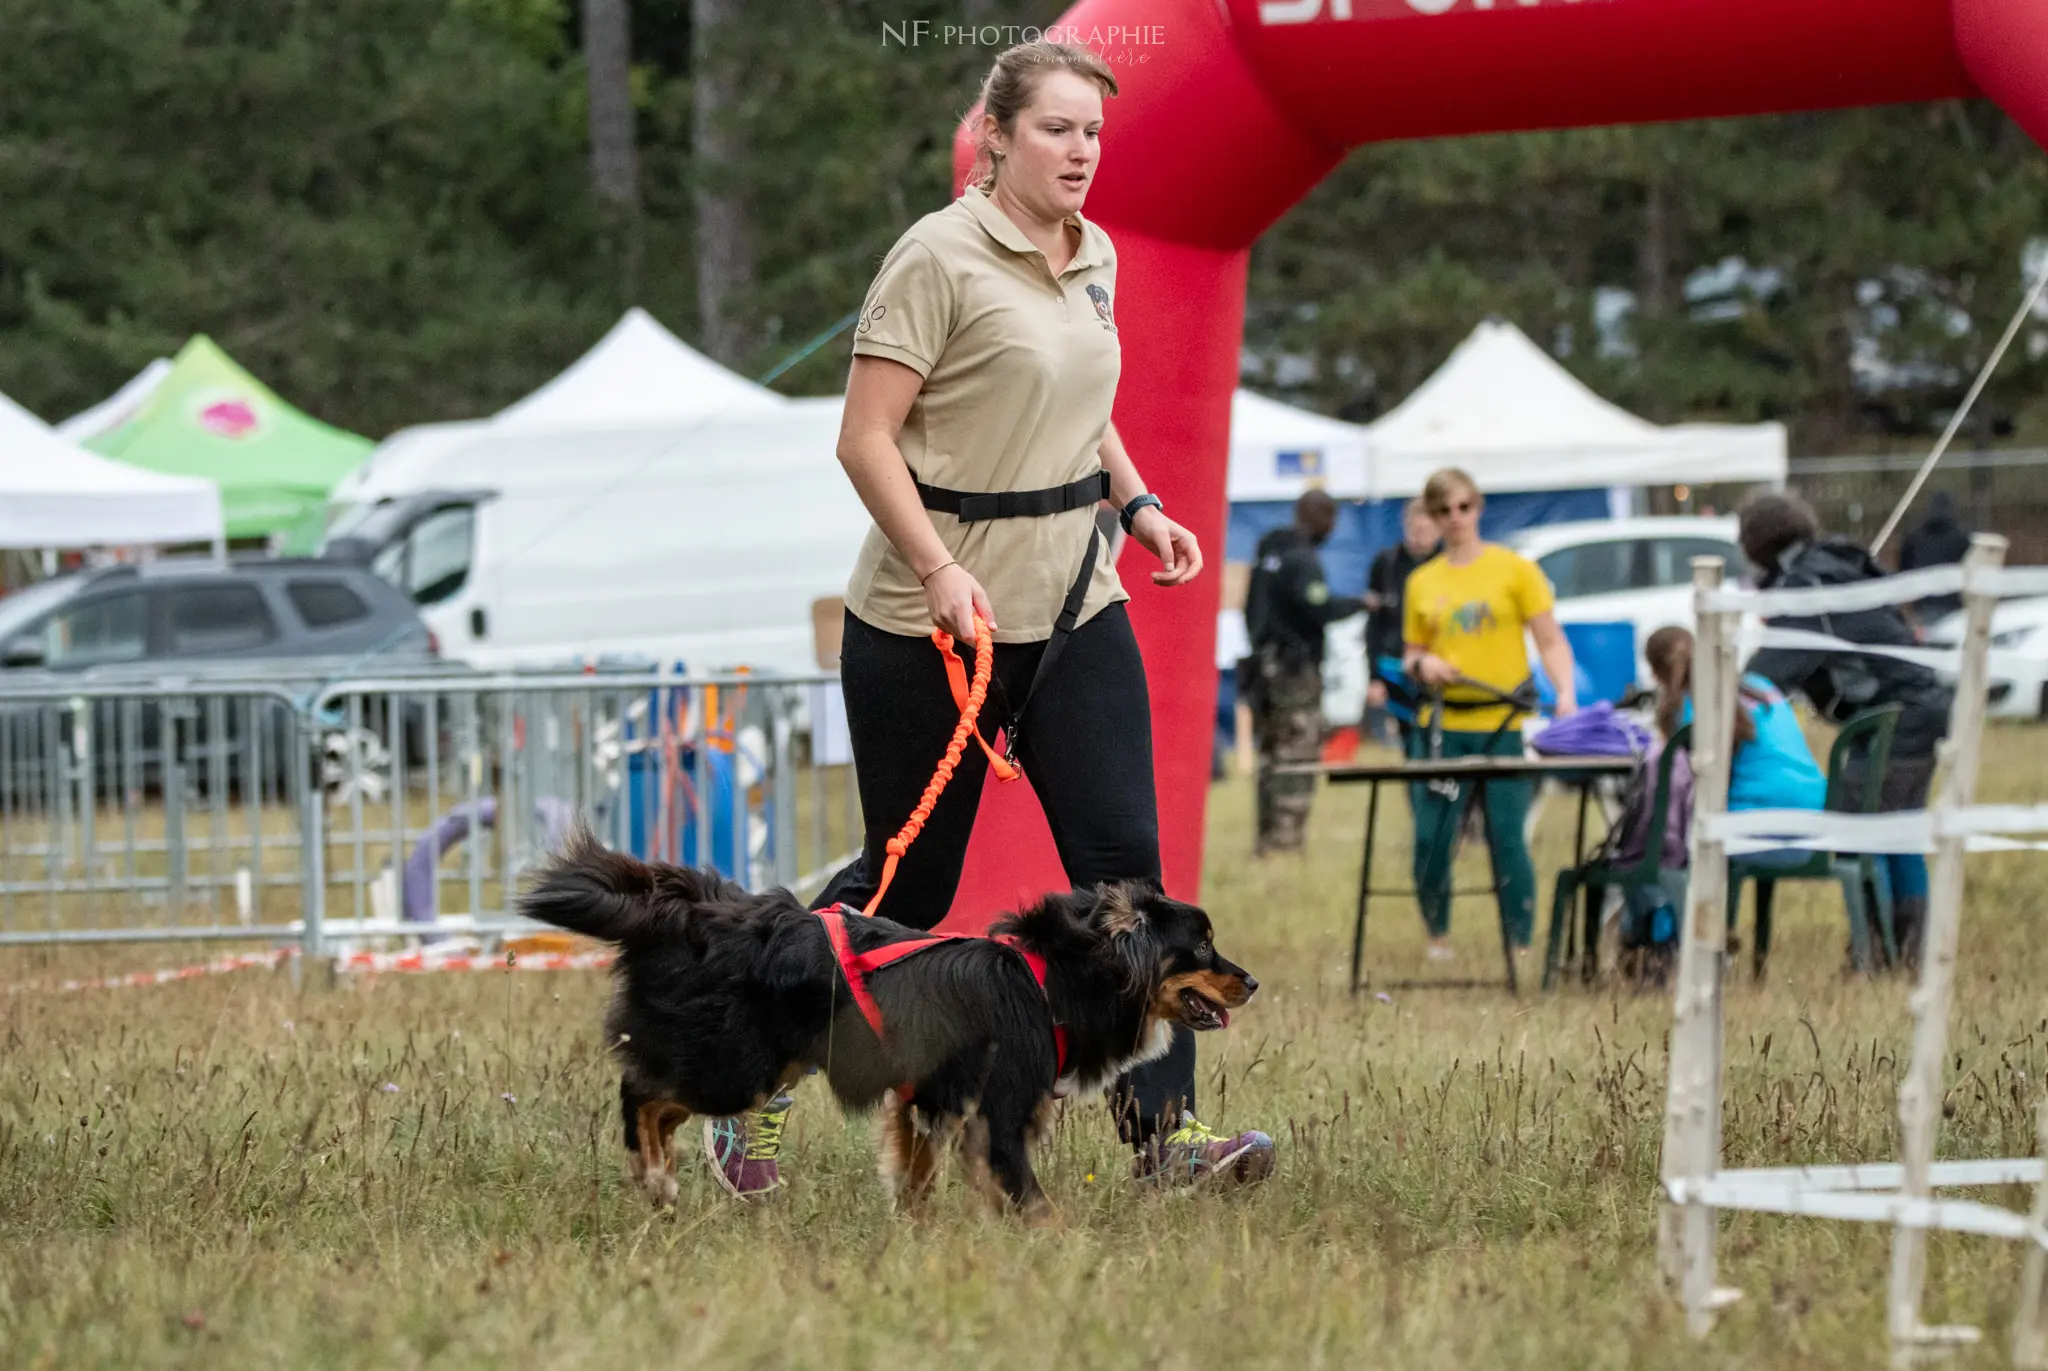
x=1118, y=913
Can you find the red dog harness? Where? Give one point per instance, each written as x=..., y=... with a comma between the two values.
x=859, y=965
x=969, y=695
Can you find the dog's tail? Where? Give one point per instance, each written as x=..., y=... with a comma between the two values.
x=592, y=890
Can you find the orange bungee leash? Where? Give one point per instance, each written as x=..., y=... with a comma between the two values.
x=969, y=695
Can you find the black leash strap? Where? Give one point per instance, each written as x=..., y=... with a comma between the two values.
x=1521, y=700
x=975, y=506
x=1062, y=629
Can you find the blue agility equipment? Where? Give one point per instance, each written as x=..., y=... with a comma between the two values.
x=1604, y=658
x=1402, y=701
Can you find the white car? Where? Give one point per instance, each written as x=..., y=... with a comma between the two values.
x=1634, y=571
x=2019, y=670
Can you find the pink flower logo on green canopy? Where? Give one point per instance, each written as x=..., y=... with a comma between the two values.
x=232, y=417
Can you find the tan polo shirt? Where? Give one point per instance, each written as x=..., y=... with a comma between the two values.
x=1019, y=371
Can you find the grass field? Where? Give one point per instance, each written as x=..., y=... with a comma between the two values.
x=422, y=1171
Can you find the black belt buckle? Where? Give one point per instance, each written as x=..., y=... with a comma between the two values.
x=976, y=507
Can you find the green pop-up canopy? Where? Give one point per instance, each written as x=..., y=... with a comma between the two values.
x=210, y=418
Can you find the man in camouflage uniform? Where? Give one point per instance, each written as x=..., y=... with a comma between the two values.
x=1286, y=609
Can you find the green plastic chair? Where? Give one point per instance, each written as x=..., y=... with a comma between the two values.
x=1864, y=877
x=1596, y=877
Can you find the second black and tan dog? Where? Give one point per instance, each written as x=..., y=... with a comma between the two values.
x=725, y=997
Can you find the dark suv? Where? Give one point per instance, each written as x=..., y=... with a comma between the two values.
x=183, y=611
x=258, y=622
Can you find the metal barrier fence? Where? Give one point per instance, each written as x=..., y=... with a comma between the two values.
x=405, y=805
x=126, y=815
x=2003, y=491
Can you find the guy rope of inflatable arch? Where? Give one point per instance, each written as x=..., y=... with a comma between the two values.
x=969, y=695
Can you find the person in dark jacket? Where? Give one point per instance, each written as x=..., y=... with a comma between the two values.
x=1385, y=586
x=1287, y=607
x=1782, y=540
x=1940, y=540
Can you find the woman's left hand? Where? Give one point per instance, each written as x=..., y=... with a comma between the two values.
x=1180, y=556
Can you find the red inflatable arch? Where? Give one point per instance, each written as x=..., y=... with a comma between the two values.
x=1233, y=109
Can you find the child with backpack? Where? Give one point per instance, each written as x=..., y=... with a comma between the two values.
x=1771, y=768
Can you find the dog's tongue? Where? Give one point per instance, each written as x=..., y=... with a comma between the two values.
x=1224, y=1015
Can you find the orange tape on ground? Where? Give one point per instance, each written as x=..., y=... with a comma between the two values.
x=407, y=962
x=369, y=963
x=220, y=966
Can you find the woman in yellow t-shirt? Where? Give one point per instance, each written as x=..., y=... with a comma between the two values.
x=1465, y=616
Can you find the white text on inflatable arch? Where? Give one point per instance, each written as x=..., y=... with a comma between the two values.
x=1276, y=12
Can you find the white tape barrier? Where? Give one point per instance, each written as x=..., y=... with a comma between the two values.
x=2001, y=664
x=1748, y=831
x=1876, y=594
x=1866, y=1206
x=1984, y=828
x=1891, y=1175
x=1903, y=589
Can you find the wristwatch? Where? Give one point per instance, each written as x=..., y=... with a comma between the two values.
x=1130, y=511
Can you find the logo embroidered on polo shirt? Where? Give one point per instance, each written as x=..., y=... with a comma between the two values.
x=1100, y=297
x=871, y=318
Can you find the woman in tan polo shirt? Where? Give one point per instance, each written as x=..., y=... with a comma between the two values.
x=985, y=360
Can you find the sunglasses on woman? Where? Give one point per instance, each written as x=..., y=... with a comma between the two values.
x=1461, y=507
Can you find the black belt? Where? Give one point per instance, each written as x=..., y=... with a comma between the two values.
x=974, y=506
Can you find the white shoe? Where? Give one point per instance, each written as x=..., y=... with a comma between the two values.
x=1439, y=952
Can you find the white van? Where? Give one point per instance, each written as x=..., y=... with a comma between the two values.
x=702, y=542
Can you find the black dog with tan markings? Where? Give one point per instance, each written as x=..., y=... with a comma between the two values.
x=725, y=997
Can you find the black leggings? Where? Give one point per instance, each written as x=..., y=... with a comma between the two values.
x=1086, y=747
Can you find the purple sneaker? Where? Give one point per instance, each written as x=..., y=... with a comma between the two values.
x=743, y=1151
x=1194, y=1154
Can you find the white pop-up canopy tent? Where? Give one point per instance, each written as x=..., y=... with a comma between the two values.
x=1278, y=451
x=54, y=494
x=639, y=375
x=118, y=408
x=646, y=503
x=1506, y=412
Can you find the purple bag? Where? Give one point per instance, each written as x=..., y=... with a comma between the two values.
x=1635, y=820
x=1595, y=731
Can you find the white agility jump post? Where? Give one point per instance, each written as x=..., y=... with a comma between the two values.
x=1692, y=1104
x=1920, y=1093
x=1901, y=1194
x=2029, y=1325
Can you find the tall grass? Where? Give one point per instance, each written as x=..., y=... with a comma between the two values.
x=421, y=1171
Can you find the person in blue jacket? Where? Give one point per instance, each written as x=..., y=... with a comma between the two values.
x=1772, y=768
